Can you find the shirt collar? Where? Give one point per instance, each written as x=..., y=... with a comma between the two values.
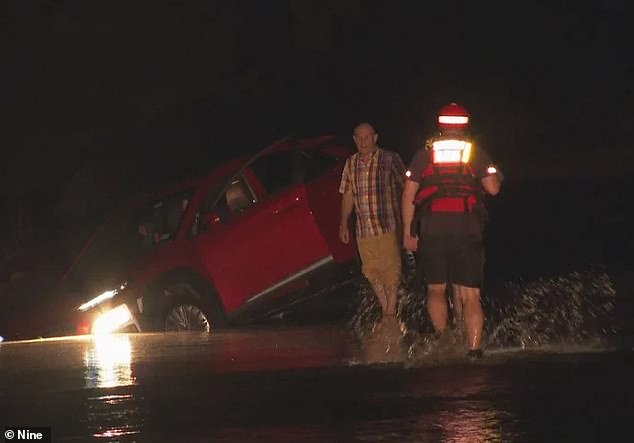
x=372, y=155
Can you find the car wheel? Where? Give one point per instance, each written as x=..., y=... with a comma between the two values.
x=188, y=308
x=186, y=317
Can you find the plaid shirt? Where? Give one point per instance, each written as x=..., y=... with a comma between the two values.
x=376, y=186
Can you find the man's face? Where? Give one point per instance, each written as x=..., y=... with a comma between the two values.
x=365, y=138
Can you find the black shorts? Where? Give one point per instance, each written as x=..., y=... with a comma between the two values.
x=454, y=255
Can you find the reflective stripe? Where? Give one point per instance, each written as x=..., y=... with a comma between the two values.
x=448, y=183
x=453, y=119
x=451, y=151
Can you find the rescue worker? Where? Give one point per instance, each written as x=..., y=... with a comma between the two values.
x=443, y=214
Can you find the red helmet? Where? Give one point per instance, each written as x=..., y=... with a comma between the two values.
x=453, y=116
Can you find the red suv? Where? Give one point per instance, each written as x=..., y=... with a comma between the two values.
x=245, y=240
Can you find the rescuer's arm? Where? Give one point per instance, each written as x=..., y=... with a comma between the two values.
x=492, y=177
x=407, y=212
x=491, y=184
x=346, y=210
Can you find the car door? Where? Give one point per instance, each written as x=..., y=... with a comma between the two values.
x=322, y=175
x=265, y=237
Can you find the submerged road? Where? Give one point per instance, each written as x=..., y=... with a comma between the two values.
x=309, y=385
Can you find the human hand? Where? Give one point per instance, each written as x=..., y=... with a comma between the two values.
x=344, y=234
x=410, y=242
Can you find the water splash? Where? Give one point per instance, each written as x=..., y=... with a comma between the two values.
x=576, y=308
x=410, y=308
x=366, y=311
x=572, y=309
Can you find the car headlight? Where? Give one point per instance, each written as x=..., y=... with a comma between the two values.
x=112, y=320
x=106, y=295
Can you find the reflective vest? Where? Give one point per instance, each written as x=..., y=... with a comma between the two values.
x=449, y=183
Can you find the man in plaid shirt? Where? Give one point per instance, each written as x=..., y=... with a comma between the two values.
x=371, y=184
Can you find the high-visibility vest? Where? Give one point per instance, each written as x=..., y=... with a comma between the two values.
x=449, y=183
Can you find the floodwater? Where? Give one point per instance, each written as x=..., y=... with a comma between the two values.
x=318, y=384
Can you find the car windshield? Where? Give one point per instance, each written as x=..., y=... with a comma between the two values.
x=126, y=238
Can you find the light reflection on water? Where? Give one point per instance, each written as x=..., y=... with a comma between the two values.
x=478, y=423
x=108, y=362
x=115, y=416
x=108, y=365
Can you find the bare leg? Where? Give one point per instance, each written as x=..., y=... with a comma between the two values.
x=473, y=315
x=457, y=305
x=437, y=306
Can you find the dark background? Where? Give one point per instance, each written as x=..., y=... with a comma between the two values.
x=101, y=100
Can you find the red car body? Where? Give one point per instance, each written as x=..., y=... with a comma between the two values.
x=243, y=241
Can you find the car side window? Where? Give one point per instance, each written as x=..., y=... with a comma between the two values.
x=276, y=171
x=159, y=221
x=223, y=202
x=127, y=237
x=235, y=198
x=314, y=163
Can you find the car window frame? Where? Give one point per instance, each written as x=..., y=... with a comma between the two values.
x=296, y=178
x=309, y=154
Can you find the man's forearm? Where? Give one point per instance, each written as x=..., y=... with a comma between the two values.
x=407, y=205
x=407, y=210
x=346, y=208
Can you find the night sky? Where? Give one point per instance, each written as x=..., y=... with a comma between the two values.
x=143, y=92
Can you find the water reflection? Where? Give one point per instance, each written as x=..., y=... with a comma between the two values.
x=108, y=362
x=115, y=414
x=460, y=422
x=480, y=422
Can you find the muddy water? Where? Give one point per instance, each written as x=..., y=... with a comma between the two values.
x=315, y=384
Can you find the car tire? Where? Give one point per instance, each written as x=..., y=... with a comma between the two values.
x=187, y=307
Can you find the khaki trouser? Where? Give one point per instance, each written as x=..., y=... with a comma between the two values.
x=381, y=259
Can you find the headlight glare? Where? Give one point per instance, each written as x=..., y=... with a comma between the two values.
x=112, y=320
